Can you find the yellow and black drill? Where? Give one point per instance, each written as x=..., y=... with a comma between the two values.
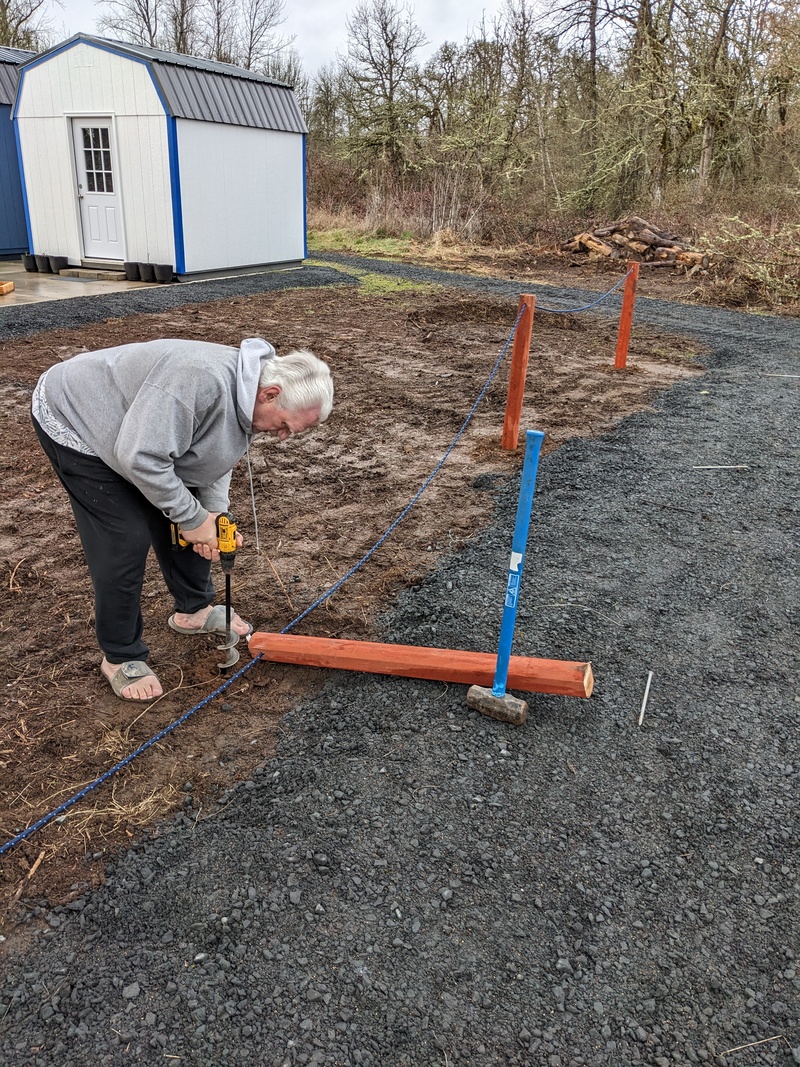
x=226, y=544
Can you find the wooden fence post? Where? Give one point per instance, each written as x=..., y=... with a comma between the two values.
x=626, y=316
x=516, y=377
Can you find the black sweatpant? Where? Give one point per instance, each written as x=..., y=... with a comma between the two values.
x=117, y=526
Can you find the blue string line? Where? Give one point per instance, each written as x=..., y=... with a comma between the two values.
x=45, y=819
x=586, y=307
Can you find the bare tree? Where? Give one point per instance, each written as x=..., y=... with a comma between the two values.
x=137, y=21
x=257, y=22
x=326, y=114
x=711, y=63
x=382, y=42
x=285, y=65
x=218, y=31
x=181, y=28
x=23, y=24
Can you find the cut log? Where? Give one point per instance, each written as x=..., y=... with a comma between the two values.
x=595, y=245
x=436, y=664
x=693, y=259
x=606, y=231
x=637, y=222
x=658, y=242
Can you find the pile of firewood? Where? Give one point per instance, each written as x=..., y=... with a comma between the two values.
x=635, y=238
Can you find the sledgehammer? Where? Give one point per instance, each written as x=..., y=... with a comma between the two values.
x=495, y=701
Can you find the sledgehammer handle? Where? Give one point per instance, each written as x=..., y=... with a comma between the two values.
x=533, y=446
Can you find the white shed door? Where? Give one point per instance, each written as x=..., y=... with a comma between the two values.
x=97, y=189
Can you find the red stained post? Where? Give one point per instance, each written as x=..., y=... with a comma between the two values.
x=438, y=664
x=626, y=316
x=516, y=378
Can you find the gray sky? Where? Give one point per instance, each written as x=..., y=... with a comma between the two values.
x=319, y=25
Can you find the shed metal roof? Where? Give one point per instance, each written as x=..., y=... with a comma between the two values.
x=10, y=58
x=194, y=88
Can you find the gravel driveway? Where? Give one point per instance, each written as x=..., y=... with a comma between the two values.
x=409, y=883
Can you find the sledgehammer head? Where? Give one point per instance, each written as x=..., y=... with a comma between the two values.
x=505, y=708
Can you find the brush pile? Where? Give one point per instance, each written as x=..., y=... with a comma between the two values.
x=634, y=238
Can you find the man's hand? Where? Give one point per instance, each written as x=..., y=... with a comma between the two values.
x=203, y=538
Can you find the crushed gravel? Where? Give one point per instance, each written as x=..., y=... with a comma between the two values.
x=409, y=883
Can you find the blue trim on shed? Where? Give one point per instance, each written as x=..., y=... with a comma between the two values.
x=305, y=203
x=175, y=188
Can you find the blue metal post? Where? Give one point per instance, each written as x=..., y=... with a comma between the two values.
x=533, y=446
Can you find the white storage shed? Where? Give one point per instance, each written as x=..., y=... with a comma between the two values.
x=131, y=154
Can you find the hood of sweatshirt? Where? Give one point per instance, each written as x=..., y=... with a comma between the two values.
x=253, y=353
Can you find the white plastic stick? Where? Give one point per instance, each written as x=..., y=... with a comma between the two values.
x=646, y=694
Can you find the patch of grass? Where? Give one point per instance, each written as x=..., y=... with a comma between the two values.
x=374, y=284
x=383, y=285
x=363, y=244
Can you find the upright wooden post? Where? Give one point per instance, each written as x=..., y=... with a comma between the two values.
x=516, y=377
x=626, y=316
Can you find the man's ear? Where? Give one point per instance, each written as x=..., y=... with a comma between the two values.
x=269, y=394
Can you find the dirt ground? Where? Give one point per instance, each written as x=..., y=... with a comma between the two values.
x=407, y=370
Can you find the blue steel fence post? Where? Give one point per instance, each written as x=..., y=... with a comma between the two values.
x=533, y=446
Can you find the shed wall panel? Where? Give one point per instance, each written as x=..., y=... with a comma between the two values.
x=242, y=195
x=144, y=186
x=85, y=80
x=50, y=182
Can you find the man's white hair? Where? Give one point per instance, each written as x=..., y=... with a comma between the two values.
x=305, y=382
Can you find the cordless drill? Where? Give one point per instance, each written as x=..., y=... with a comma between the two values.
x=226, y=539
x=226, y=545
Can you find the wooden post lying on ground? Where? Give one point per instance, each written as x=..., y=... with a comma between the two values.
x=6, y=287
x=436, y=664
x=516, y=377
x=626, y=316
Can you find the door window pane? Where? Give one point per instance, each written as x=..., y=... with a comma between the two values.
x=97, y=159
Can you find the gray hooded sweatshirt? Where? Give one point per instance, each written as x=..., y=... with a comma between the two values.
x=167, y=415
